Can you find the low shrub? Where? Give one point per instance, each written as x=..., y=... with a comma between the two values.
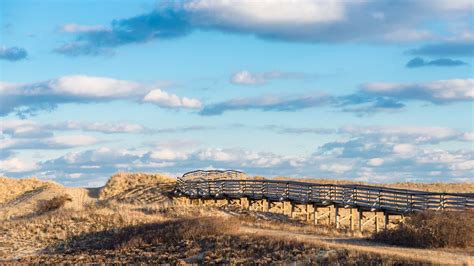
x=172, y=232
x=431, y=230
x=52, y=204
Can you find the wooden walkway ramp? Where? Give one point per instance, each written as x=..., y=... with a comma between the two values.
x=356, y=207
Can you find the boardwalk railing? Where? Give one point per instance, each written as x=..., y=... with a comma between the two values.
x=373, y=198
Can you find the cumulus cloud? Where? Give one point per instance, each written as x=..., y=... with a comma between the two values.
x=361, y=158
x=15, y=165
x=384, y=141
x=336, y=168
x=301, y=20
x=13, y=53
x=27, y=99
x=102, y=162
x=444, y=62
x=245, y=77
x=267, y=103
x=404, y=149
x=165, y=99
x=375, y=161
x=370, y=153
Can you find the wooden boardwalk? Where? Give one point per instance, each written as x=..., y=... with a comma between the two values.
x=291, y=197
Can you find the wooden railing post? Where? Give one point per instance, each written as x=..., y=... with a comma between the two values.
x=309, y=193
x=379, y=199
x=442, y=201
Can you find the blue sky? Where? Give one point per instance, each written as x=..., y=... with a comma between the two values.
x=377, y=91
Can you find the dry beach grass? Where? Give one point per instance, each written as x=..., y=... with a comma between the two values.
x=134, y=219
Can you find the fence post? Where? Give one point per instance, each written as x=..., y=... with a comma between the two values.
x=443, y=201
x=309, y=193
x=209, y=188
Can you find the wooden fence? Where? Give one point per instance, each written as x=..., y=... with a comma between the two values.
x=370, y=198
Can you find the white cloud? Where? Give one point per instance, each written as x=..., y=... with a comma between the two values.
x=389, y=162
x=441, y=91
x=246, y=78
x=25, y=128
x=29, y=98
x=453, y=5
x=54, y=142
x=15, y=165
x=94, y=87
x=336, y=168
x=412, y=134
x=22, y=128
x=313, y=21
x=164, y=99
x=103, y=127
x=168, y=154
x=249, y=13
x=468, y=136
x=216, y=155
x=466, y=165
x=375, y=161
x=75, y=28
x=404, y=149
x=72, y=140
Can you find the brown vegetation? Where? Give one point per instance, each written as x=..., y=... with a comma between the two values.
x=125, y=182
x=11, y=188
x=205, y=240
x=53, y=204
x=432, y=230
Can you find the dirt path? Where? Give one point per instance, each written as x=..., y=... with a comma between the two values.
x=361, y=245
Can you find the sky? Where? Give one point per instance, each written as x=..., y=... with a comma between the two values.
x=377, y=91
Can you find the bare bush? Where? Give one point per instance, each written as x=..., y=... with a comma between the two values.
x=52, y=204
x=431, y=230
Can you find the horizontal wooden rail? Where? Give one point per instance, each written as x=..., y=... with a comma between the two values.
x=374, y=198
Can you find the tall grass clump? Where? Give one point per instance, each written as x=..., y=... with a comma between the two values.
x=52, y=204
x=431, y=229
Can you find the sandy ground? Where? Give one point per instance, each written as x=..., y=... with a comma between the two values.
x=357, y=244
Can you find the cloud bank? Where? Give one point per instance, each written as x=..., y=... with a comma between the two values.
x=371, y=153
x=27, y=99
x=308, y=21
x=370, y=98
